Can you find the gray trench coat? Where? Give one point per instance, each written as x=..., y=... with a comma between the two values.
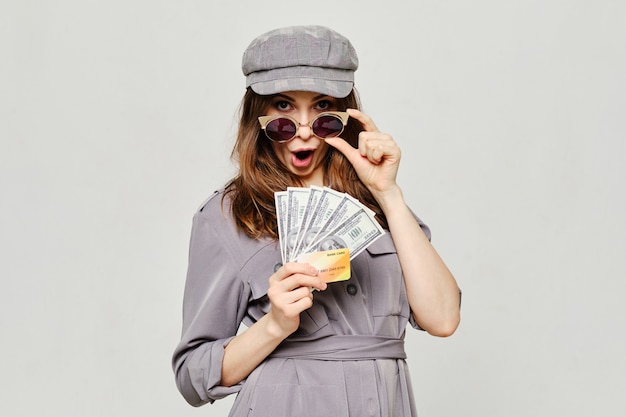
x=346, y=359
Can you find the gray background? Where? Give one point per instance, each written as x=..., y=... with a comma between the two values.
x=117, y=120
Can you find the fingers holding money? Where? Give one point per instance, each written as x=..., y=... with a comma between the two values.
x=294, y=275
x=290, y=294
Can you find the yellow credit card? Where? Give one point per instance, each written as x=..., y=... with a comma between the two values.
x=333, y=265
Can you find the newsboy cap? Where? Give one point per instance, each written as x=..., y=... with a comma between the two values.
x=307, y=58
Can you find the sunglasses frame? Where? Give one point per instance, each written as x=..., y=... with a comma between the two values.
x=265, y=120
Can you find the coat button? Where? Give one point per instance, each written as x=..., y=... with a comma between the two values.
x=277, y=266
x=351, y=288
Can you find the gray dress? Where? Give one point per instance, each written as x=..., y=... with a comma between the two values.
x=346, y=359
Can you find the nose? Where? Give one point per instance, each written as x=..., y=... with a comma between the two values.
x=304, y=131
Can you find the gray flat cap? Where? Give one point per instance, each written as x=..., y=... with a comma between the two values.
x=307, y=58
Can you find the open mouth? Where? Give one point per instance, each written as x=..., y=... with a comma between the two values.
x=303, y=155
x=302, y=158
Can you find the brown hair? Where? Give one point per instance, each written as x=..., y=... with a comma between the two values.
x=261, y=173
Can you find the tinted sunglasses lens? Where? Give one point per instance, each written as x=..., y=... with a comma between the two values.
x=280, y=129
x=327, y=126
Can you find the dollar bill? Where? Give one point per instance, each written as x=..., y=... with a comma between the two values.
x=355, y=233
x=317, y=219
x=280, y=201
x=343, y=208
x=312, y=203
x=297, y=198
x=327, y=203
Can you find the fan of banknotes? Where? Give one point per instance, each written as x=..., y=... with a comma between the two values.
x=324, y=227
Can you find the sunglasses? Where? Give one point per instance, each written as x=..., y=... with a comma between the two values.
x=284, y=128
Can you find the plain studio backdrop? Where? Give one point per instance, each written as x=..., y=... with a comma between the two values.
x=117, y=119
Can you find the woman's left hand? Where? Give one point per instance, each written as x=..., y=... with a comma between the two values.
x=377, y=158
x=431, y=289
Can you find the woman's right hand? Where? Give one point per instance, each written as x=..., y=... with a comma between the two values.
x=290, y=293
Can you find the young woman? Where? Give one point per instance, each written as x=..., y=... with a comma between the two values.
x=337, y=351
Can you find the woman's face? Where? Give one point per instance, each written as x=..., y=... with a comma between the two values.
x=304, y=154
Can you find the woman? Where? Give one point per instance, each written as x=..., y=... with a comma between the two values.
x=337, y=351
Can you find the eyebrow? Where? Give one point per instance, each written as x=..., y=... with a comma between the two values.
x=317, y=97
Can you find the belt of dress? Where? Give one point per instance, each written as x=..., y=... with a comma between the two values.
x=343, y=347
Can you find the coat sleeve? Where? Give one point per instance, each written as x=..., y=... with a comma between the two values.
x=213, y=307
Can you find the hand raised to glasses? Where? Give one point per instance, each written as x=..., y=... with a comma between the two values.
x=377, y=158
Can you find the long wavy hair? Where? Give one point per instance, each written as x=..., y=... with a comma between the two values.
x=261, y=173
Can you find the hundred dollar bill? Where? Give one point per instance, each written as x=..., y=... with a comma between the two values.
x=355, y=233
x=370, y=212
x=347, y=207
x=280, y=200
x=314, y=195
x=297, y=198
x=327, y=203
